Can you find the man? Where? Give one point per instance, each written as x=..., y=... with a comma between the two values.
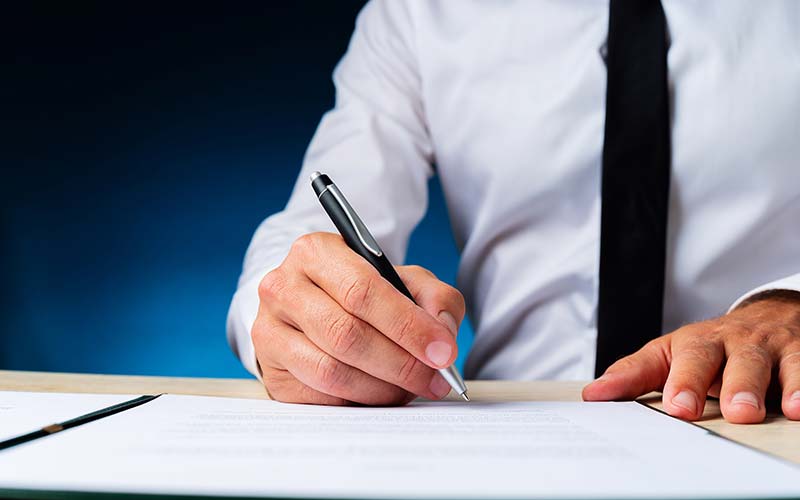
x=682, y=124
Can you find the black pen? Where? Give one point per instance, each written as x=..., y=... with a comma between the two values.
x=359, y=239
x=77, y=421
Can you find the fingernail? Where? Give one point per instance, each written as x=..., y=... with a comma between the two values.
x=795, y=396
x=449, y=321
x=686, y=400
x=747, y=398
x=439, y=386
x=439, y=353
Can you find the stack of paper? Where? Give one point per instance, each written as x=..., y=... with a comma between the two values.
x=222, y=446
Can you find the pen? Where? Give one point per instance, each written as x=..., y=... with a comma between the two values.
x=75, y=422
x=359, y=239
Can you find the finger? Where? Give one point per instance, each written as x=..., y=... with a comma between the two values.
x=439, y=299
x=789, y=374
x=264, y=327
x=361, y=291
x=359, y=344
x=642, y=372
x=744, y=385
x=278, y=382
x=279, y=347
x=282, y=386
x=324, y=373
x=696, y=361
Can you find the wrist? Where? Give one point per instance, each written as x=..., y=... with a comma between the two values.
x=773, y=303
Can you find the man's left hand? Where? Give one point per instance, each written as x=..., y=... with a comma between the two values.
x=736, y=357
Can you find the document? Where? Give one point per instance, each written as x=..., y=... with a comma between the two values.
x=23, y=412
x=192, y=445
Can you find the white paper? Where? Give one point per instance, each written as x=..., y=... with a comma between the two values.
x=220, y=446
x=23, y=412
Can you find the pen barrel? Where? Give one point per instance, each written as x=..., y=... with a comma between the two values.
x=357, y=237
x=381, y=263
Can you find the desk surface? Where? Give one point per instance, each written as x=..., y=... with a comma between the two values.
x=777, y=435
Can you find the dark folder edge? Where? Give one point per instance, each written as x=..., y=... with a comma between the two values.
x=27, y=494
x=77, y=421
x=718, y=435
x=20, y=494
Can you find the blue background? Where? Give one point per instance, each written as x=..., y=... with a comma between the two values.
x=142, y=146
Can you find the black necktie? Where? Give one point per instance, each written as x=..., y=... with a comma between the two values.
x=635, y=181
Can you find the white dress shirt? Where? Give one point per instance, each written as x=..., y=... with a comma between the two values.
x=507, y=100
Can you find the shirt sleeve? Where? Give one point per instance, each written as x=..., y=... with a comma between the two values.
x=375, y=145
x=789, y=283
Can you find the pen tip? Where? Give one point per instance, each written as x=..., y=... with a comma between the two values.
x=464, y=395
x=315, y=175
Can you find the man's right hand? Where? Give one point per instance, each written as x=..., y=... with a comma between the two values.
x=330, y=330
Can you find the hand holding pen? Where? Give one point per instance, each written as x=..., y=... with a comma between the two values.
x=333, y=329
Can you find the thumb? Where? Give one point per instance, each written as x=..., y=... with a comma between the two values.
x=436, y=297
x=644, y=371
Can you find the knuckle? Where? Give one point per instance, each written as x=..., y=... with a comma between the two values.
x=715, y=326
x=722, y=329
x=260, y=334
x=344, y=334
x=404, y=327
x=407, y=371
x=457, y=298
x=357, y=290
x=781, y=335
x=272, y=285
x=759, y=337
x=738, y=330
x=329, y=374
x=446, y=294
x=304, y=246
x=415, y=269
x=754, y=354
x=657, y=344
x=268, y=343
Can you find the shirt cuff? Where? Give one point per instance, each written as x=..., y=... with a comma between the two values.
x=790, y=283
x=241, y=316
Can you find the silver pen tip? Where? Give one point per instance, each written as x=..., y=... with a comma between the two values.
x=464, y=395
x=315, y=175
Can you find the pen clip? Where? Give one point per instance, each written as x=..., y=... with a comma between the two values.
x=364, y=236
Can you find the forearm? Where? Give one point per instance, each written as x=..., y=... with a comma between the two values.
x=374, y=142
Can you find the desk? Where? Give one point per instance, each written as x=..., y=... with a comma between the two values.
x=777, y=435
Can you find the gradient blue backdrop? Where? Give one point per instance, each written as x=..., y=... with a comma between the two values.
x=142, y=145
